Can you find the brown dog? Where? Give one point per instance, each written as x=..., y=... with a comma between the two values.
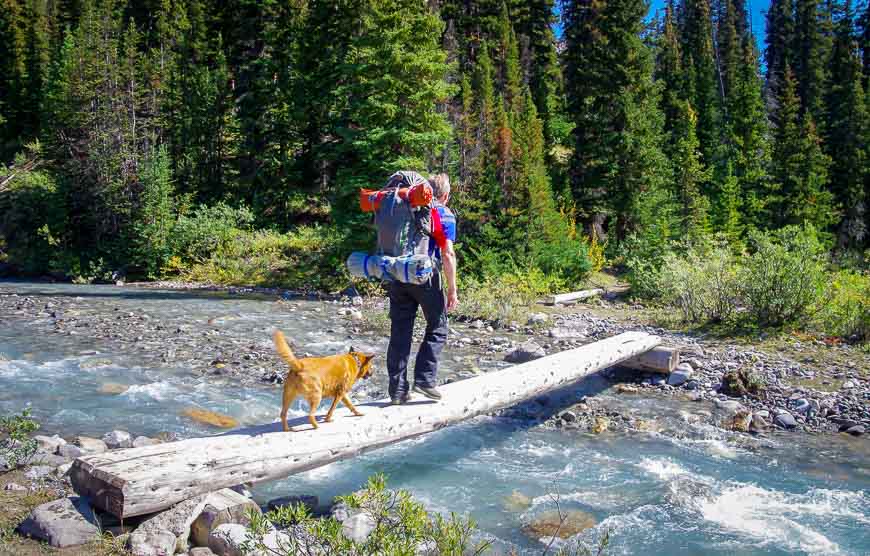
x=314, y=378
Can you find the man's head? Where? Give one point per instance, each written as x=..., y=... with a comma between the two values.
x=440, y=187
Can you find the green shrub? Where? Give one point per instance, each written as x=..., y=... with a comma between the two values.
x=644, y=257
x=503, y=296
x=784, y=276
x=402, y=527
x=703, y=286
x=16, y=446
x=209, y=228
x=155, y=218
x=845, y=308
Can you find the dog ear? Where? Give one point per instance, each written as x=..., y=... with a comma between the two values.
x=350, y=349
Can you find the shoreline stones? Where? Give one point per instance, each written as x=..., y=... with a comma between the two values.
x=212, y=418
x=61, y=523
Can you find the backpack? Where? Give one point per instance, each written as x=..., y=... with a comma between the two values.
x=403, y=215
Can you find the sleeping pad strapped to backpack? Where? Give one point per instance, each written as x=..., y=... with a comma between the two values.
x=402, y=211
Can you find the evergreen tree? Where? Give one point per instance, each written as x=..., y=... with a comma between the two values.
x=780, y=38
x=672, y=77
x=847, y=133
x=800, y=168
x=613, y=102
x=811, y=53
x=864, y=41
x=13, y=74
x=689, y=176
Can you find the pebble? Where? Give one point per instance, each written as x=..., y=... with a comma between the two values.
x=785, y=420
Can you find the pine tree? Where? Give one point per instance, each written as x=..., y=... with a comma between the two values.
x=864, y=41
x=703, y=87
x=671, y=75
x=13, y=74
x=811, y=51
x=689, y=175
x=779, y=39
x=800, y=168
x=847, y=133
x=613, y=102
x=511, y=77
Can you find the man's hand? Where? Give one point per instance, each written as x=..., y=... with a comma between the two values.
x=452, y=299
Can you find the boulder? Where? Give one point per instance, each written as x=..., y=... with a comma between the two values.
x=222, y=507
x=90, y=445
x=141, y=441
x=70, y=451
x=785, y=420
x=358, y=527
x=680, y=375
x=14, y=487
x=857, y=430
x=307, y=500
x=43, y=458
x=537, y=318
x=38, y=472
x=49, y=444
x=227, y=539
x=201, y=551
x=118, y=439
x=528, y=351
x=759, y=423
x=151, y=543
x=176, y=520
x=551, y=524
x=61, y=523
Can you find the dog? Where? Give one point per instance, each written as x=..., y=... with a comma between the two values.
x=314, y=378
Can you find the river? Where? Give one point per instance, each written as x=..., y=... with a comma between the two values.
x=687, y=488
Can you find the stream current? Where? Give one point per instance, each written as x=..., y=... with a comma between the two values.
x=687, y=489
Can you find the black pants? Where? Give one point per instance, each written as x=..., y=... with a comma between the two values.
x=404, y=300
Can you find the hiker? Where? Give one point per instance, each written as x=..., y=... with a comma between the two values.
x=405, y=298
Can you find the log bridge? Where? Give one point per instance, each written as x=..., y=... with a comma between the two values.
x=144, y=480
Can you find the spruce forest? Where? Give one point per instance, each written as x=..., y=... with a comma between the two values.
x=227, y=140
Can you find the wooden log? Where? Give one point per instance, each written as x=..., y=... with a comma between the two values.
x=573, y=297
x=148, y=479
x=661, y=359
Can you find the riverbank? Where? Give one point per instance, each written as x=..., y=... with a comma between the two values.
x=803, y=384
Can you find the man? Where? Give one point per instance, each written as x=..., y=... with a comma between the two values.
x=406, y=298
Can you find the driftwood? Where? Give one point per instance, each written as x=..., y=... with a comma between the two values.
x=661, y=359
x=573, y=297
x=142, y=480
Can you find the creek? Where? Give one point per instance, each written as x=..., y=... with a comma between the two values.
x=685, y=487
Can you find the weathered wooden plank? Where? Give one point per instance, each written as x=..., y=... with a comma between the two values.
x=573, y=297
x=143, y=480
x=661, y=359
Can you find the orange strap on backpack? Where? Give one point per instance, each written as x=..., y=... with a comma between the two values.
x=417, y=195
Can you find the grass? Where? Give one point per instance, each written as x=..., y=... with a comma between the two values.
x=17, y=505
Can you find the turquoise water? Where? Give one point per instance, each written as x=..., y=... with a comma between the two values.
x=688, y=489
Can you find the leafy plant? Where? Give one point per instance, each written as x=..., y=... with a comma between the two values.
x=844, y=310
x=785, y=275
x=16, y=445
x=704, y=287
x=400, y=526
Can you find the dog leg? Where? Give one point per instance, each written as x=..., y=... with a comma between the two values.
x=350, y=406
x=313, y=404
x=285, y=406
x=328, y=418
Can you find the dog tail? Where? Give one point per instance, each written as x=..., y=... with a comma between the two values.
x=284, y=350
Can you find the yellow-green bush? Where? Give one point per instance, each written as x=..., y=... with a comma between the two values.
x=845, y=308
x=503, y=296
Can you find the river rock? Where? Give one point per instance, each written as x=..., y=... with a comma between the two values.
x=91, y=445
x=801, y=406
x=14, y=487
x=857, y=430
x=49, y=444
x=38, y=472
x=176, y=520
x=222, y=507
x=141, y=441
x=680, y=375
x=358, y=527
x=227, y=539
x=517, y=502
x=785, y=420
x=61, y=523
x=151, y=543
x=564, y=332
x=551, y=524
x=528, y=351
x=537, y=318
x=43, y=458
x=118, y=439
x=309, y=501
x=210, y=418
x=70, y=451
x=112, y=388
x=759, y=423
x=201, y=551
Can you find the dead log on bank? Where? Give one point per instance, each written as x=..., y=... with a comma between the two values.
x=573, y=297
x=142, y=480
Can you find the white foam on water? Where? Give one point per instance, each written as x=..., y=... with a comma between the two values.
x=663, y=469
x=772, y=517
x=718, y=447
x=157, y=391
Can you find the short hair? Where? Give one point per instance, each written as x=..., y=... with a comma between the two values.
x=440, y=185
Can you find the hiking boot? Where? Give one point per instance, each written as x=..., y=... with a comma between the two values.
x=400, y=400
x=430, y=393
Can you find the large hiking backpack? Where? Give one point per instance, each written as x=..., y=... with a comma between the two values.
x=402, y=213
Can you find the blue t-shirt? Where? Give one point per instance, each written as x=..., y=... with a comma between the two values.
x=448, y=229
